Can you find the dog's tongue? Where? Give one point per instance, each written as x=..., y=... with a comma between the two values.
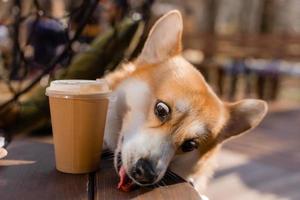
x=125, y=184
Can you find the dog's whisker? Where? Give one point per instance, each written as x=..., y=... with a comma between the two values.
x=173, y=177
x=159, y=184
x=163, y=182
x=111, y=156
x=107, y=153
x=165, y=179
x=107, y=157
x=171, y=174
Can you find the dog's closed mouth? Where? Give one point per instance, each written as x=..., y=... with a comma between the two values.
x=125, y=184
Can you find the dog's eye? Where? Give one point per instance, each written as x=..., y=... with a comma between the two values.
x=189, y=145
x=162, y=111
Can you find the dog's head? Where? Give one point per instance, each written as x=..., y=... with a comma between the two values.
x=171, y=109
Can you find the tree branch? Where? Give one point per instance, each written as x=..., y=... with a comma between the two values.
x=90, y=6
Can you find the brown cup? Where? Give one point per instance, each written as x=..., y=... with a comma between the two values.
x=78, y=114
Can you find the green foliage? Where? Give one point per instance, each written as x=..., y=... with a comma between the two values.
x=105, y=53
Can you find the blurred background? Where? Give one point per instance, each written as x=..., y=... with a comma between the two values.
x=244, y=49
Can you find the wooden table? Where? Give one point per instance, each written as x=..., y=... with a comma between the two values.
x=28, y=172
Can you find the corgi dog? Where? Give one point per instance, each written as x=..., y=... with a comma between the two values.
x=165, y=116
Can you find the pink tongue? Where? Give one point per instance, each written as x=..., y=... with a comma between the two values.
x=125, y=184
x=122, y=174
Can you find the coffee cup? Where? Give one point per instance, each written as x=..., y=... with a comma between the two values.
x=78, y=115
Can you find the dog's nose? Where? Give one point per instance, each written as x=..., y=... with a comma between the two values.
x=143, y=172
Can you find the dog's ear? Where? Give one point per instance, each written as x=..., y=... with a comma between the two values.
x=243, y=116
x=164, y=40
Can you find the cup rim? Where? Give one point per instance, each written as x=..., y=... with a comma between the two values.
x=76, y=83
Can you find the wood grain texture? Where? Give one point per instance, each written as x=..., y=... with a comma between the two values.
x=106, y=181
x=178, y=191
x=28, y=172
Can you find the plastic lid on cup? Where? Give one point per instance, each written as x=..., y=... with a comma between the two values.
x=78, y=88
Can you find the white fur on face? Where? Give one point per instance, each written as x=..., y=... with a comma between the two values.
x=182, y=105
x=129, y=93
x=141, y=141
x=148, y=144
x=197, y=128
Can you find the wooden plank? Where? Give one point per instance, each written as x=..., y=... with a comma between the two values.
x=106, y=187
x=177, y=191
x=28, y=172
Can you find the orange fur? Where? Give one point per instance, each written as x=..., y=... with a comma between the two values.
x=172, y=79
